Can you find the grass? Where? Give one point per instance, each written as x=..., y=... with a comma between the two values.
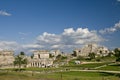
x=84, y=66
x=49, y=74
x=33, y=69
x=115, y=67
x=71, y=75
x=42, y=69
x=57, y=74
x=107, y=59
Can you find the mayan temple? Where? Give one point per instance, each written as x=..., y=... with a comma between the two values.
x=6, y=59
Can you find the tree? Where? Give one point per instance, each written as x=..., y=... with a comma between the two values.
x=74, y=54
x=92, y=55
x=117, y=54
x=20, y=60
x=51, y=56
x=110, y=54
x=80, y=58
x=22, y=53
x=32, y=56
x=100, y=52
x=58, y=57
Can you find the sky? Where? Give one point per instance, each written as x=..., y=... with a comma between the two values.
x=27, y=25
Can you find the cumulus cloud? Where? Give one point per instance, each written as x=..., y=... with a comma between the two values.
x=47, y=38
x=65, y=41
x=17, y=48
x=69, y=38
x=111, y=29
x=4, y=13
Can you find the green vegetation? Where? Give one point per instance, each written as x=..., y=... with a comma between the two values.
x=74, y=53
x=63, y=72
x=92, y=56
x=86, y=66
x=114, y=67
x=20, y=60
x=71, y=75
x=117, y=54
x=70, y=71
x=108, y=59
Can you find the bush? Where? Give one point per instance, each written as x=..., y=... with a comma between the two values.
x=80, y=58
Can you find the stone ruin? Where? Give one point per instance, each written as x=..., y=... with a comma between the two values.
x=41, y=59
x=6, y=59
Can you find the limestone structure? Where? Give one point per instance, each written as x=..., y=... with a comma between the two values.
x=102, y=51
x=40, y=59
x=6, y=58
x=55, y=52
x=89, y=48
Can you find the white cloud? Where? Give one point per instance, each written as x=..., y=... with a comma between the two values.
x=111, y=29
x=117, y=25
x=118, y=0
x=68, y=31
x=24, y=34
x=70, y=38
x=47, y=38
x=4, y=13
x=67, y=40
x=29, y=46
x=12, y=45
x=56, y=46
x=8, y=45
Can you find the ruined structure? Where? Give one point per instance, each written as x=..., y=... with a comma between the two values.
x=40, y=59
x=6, y=59
x=55, y=53
x=89, y=48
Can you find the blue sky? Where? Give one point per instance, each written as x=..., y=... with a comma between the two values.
x=58, y=24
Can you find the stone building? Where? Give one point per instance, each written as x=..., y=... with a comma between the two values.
x=55, y=52
x=6, y=59
x=39, y=54
x=40, y=59
x=89, y=48
x=84, y=51
x=102, y=51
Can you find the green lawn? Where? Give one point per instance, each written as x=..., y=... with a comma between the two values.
x=115, y=67
x=72, y=75
x=56, y=74
x=34, y=69
x=84, y=66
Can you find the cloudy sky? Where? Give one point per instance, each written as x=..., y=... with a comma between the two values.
x=27, y=25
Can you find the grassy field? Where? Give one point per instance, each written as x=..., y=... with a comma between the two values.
x=115, y=67
x=73, y=66
x=61, y=73
x=71, y=75
x=84, y=66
